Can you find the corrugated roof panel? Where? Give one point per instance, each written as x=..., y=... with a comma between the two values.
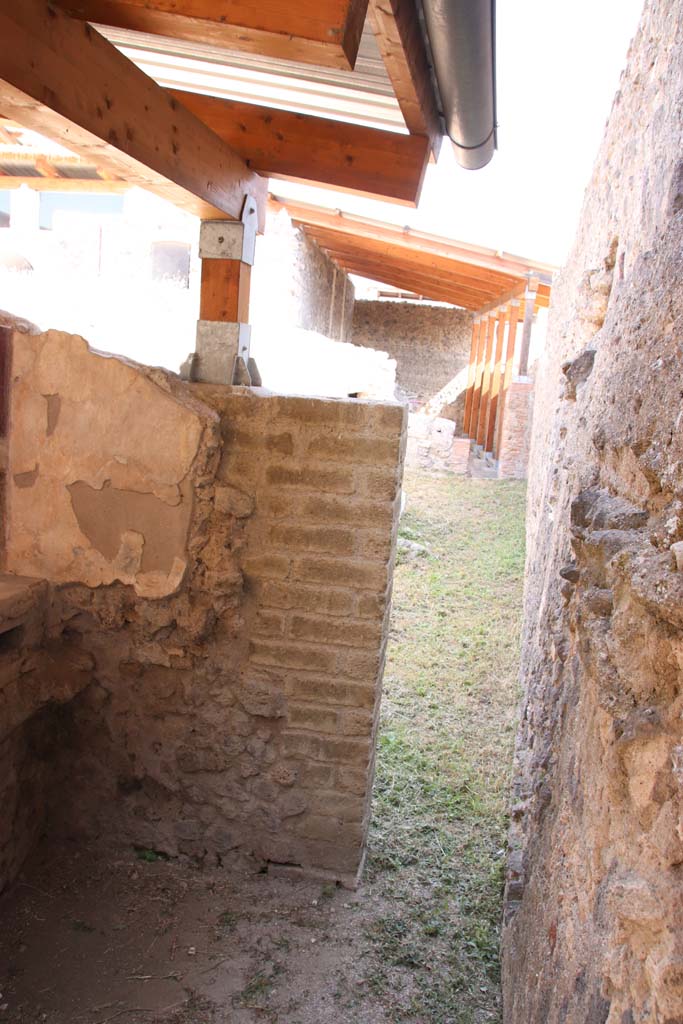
x=364, y=96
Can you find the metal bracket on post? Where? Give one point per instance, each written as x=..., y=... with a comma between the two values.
x=219, y=347
x=222, y=347
x=230, y=239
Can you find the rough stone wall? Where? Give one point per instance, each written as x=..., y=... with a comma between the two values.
x=431, y=344
x=295, y=285
x=236, y=651
x=594, y=903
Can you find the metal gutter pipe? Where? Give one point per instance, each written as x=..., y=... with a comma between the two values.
x=461, y=36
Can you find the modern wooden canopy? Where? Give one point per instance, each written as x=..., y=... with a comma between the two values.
x=326, y=32
x=464, y=275
x=61, y=77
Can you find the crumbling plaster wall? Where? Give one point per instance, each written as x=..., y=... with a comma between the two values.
x=431, y=345
x=594, y=900
x=233, y=679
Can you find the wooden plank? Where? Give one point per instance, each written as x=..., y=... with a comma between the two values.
x=439, y=278
x=408, y=280
x=486, y=329
x=91, y=185
x=487, y=281
x=416, y=241
x=60, y=77
x=399, y=38
x=507, y=376
x=224, y=294
x=471, y=369
x=486, y=383
x=448, y=287
x=495, y=384
x=324, y=32
x=283, y=144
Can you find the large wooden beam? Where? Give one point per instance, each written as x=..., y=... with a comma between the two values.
x=490, y=429
x=91, y=185
x=323, y=32
x=282, y=144
x=399, y=38
x=408, y=280
x=60, y=77
x=416, y=241
x=471, y=370
x=507, y=376
x=487, y=282
x=485, y=338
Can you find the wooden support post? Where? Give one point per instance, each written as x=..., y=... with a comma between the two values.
x=471, y=370
x=487, y=325
x=224, y=292
x=226, y=249
x=495, y=382
x=486, y=382
x=507, y=374
x=530, y=296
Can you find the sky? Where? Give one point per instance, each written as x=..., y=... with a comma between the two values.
x=558, y=68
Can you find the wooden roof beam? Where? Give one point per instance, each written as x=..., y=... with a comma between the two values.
x=415, y=241
x=406, y=281
x=8, y=182
x=283, y=144
x=60, y=77
x=399, y=38
x=424, y=278
x=492, y=283
x=323, y=32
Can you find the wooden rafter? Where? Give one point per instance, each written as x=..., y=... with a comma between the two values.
x=414, y=241
x=60, y=77
x=279, y=143
x=94, y=185
x=446, y=271
x=323, y=32
x=399, y=38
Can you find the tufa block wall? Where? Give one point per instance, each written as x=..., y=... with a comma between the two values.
x=431, y=345
x=221, y=560
x=594, y=901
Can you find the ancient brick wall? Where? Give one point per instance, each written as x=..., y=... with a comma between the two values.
x=515, y=430
x=223, y=557
x=594, y=909
x=431, y=344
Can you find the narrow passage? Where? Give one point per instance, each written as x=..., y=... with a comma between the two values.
x=88, y=939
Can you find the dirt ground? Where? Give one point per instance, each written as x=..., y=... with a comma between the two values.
x=87, y=937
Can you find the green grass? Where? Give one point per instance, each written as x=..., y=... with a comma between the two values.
x=445, y=748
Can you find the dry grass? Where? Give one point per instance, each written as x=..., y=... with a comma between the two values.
x=438, y=832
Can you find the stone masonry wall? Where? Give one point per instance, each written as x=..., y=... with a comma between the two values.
x=295, y=284
x=220, y=559
x=594, y=898
x=430, y=343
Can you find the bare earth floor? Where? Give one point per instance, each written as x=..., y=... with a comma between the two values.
x=88, y=938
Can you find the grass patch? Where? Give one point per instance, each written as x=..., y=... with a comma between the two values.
x=445, y=748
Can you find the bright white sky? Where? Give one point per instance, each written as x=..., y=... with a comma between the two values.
x=558, y=70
